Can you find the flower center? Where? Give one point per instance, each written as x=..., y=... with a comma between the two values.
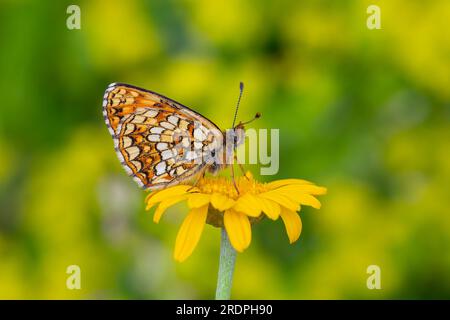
x=226, y=187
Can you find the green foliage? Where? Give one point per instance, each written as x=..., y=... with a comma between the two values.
x=362, y=112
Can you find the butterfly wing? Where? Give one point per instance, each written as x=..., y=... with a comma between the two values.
x=159, y=141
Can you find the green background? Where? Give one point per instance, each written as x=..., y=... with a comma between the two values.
x=363, y=112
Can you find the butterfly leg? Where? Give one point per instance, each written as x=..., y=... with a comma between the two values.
x=232, y=177
x=201, y=175
x=241, y=166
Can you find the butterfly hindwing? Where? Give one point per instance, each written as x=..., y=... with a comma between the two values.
x=158, y=141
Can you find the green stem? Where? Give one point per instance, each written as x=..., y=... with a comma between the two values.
x=226, y=267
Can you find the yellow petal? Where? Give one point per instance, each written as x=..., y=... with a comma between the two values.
x=166, y=204
x=189, y=233
x=221, y=202
x=161, y=195
x=249, y=205
x=309, y=200
x=270, y=208
x=293, y=224
x=281, y=199
x=283, y=182
x=197, y=200
x=299, y=197
x=305, y=188
x=238, y=229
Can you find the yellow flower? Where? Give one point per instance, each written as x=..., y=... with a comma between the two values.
x=215, y=201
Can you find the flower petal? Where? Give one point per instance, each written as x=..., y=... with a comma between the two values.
x=309, y=200
x=221, y=202
x=197, y=200
x=270, y=208
x=293, y=224
x=305, y=188
x=281, y=199
x=238, y=229
x=283, y=182
x=249, y=205
x=299, y=197
x=158, y=196
x=166, y=204
x=189, y=233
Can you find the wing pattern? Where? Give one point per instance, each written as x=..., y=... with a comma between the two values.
x=158, y=141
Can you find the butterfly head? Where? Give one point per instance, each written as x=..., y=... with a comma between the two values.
x=239, y=130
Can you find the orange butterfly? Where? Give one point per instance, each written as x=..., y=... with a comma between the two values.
x=161, y=142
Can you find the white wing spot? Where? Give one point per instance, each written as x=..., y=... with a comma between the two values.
x=173, y=120
x=133, y=152
x=166, y=154
x=185, y=142
x=156, y=130
x=139, y=119
x=153, y=138
x=129, y=128
x=151, y=113
x=204, y=130
x=162, y=146
x=167, y=125
x=190, y=155
x=127, y=142
x=160, y=168
x=199, y=135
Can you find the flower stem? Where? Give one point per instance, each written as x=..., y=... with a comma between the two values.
x=226, y=267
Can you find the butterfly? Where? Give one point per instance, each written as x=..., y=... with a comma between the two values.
x=161, y=142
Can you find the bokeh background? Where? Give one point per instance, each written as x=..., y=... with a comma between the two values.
x=364, y=112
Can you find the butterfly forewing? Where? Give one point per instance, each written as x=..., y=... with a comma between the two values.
x=158, y=141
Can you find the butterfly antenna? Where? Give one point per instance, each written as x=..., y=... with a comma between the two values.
x=257, y=116
x=241, y=90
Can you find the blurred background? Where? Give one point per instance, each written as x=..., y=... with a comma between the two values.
x=363, y=112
